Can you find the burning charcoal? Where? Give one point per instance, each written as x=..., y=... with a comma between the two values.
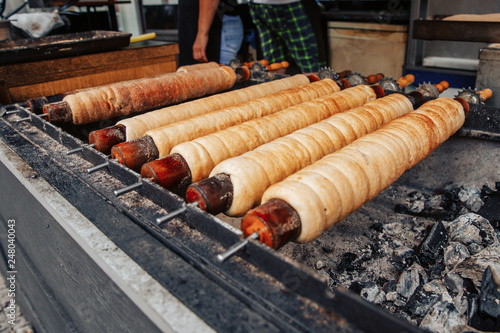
x=410, y=279
x=397, y=243
x=454, y=282
x=320, y=265
x=372, y=293
x=436, y=271
x=463, y=229
x=375, y=248
x=334, y=276
x=389, y=306
x=442, y=317
x=487, y=231
x=473, y=318
x=484, y=309
x=356, y=287
x=391, y=296
x=434, y=202
x=399, y=303
x=327, y=249
x=347, y=262
x=473, y=267
x=421, y=301
x=403, y=257
x=433, y=244
x=490, y=209
x=389, y=286
x=486, y=190
x=469, y=287
x=393, y=229
x=455, y=253
x=489, y=301
x=416, y=207
x=487, y=318
x=400, y=209
x=461, y=303
x=377, y=227
x=474, y=248
x=403, y=253
x=435, y=287
x=438, y=287
x=470, y=196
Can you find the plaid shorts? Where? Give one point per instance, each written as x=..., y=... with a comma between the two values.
x=285, y=31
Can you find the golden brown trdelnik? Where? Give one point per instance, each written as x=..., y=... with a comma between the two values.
x=127, y=97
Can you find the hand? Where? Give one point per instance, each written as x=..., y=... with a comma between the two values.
x=199, y=48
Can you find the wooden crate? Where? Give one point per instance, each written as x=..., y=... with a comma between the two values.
x=19, y=82
x=367, y=48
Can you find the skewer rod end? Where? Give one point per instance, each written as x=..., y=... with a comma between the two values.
x=236, y=247
x=127, y=189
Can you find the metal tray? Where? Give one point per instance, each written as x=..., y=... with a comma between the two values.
x=461, y=31
x=58, y=46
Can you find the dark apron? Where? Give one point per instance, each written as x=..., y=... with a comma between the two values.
x=187, y=18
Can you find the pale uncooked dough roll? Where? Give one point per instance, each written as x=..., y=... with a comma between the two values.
x=335, y=186
x=127, y=97
x=167, y=137
x=253, y=172
x=197, y=67
x=204, y=153
x=135, y=127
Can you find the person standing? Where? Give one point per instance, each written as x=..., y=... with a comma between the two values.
x=286, y=33
x=216, y=36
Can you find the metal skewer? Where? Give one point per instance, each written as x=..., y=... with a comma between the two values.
x=12, y=111
x=173, y=214
x=23, y=119
x=29, y=117
x=76, y=150
x=100, y=166
x=127, y=189
x=236, y=247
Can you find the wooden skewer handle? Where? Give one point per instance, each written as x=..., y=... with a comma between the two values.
x=274, y=67
x=171, y=172
x=406, y=80
x=58, y=112
x=276, y=222
x=374, y=78
x=214, y=194
x=485, y=93
x=135, y=153
x=105, y=138
x=242, y=73
x=442, y=86
x=344, y=74
x=36, y=104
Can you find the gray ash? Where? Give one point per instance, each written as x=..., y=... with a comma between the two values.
x=446, y=274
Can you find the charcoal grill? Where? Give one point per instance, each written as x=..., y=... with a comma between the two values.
x=90, y=261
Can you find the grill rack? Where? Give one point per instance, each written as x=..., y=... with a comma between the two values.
x=482, y=122
x=282, y=313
